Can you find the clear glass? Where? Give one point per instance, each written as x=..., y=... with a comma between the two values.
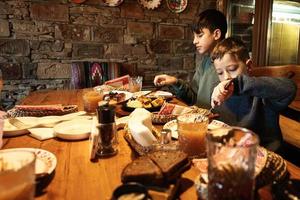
x=90, y=101
x=283, y=43
x=231, y=154
x=135, y=83
x=192, y=129
x=108, y=140
x=17, y=175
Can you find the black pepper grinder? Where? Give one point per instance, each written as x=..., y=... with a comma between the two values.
x=108, y=141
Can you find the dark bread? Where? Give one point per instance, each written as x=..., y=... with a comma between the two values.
x=157, y=168
x=142, y=170
x=169, y=161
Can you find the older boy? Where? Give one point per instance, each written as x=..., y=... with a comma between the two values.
x=210, y=29
x=251, y=102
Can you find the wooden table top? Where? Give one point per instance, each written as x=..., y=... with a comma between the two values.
x=76, y=177
x=295, y=105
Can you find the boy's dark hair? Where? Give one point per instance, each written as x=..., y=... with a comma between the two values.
x=231, y=46
x=211, y=19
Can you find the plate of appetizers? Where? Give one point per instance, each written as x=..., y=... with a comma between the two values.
x=149, y=103
x=117, y=96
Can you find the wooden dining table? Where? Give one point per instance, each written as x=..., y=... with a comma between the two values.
x=76, y=177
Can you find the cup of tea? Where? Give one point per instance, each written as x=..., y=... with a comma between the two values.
x=135, y=83
x=192, y=129
x=231, y=154
x=17, y=174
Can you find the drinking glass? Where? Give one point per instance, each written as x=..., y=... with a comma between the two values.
x=231, y=154
x=192, y=129
x=90, y=101
x=17, y=175
x=135, y=83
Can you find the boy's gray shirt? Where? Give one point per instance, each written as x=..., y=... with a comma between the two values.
x=256, y=105
x=198, y=91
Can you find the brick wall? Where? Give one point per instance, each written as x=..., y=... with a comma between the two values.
x=40, y=39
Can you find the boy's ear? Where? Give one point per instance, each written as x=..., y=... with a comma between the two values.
x=249, y=65
x=217, y=34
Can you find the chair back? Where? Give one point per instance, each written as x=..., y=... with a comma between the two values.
x=288, y=71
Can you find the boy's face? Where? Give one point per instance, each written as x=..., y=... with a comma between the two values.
x=205, y=41
x=230, y=67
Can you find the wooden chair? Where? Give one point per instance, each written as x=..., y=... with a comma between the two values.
x=289, y=71
x=290, y=117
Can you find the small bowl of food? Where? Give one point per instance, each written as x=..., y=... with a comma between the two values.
x=131, y=191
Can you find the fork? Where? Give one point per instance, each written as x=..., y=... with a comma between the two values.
x=226, y=87
x=21, y=125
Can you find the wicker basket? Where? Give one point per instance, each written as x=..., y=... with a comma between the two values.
x=39, y=113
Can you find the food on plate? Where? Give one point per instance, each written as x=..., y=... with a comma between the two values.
x=134, y=104
x=157, y=168
x=157, y=102
x=115, y=97
x=145, y=102
x=142, y=170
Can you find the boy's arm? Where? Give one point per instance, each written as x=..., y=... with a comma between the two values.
x=278, y=92
x=184, y=91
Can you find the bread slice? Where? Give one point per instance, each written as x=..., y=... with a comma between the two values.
x=142, y=170
x=170, y=162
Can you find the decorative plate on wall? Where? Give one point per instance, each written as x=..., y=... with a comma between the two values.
x=150, y=4
x=78, y=1
x=177, y=6
x=112, y=2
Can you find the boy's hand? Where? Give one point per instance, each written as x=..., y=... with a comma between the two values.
x=164, y=79
x=221, y=93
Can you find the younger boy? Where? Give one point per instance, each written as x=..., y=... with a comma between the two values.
x=250, y=102
x=208, y=31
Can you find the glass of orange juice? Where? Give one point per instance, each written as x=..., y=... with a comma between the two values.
x=90, y=101
x=192, y=130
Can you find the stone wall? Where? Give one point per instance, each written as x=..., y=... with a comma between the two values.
x=39, y=39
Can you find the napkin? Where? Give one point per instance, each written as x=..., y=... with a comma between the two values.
x=42, y=133
x=140, y=127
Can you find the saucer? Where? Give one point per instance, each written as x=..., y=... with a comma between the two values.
x=45, y=162
x=73, y=130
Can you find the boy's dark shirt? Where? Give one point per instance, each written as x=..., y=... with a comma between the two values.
x=256, y=104
x=198, y=91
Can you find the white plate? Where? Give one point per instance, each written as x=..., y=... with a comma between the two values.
x=45, y=160
x=161, y=93
x=73, y=130
x=150, y=4
x=172, y=125
x=9, y=130
x=113, y=2
x=128, y=95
